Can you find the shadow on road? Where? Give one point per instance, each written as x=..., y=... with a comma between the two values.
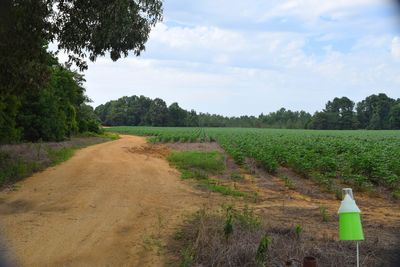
x=5, y=257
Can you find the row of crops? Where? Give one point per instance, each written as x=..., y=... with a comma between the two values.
x=164, y=134
x=363, y=158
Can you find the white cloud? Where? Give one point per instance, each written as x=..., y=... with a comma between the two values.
x=200, y=36
x=215, y=45
x=395, y=47
x=241, y=68
x=310, y=10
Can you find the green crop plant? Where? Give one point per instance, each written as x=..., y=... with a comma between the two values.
x=362, y=159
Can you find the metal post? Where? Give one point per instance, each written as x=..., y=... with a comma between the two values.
x=358, y=256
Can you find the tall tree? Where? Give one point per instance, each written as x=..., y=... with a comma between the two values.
x=92, y=28
x=84, y=29
x=177, y=115
x=158, y=113
x=51, y=113
x=394, y=117
x=192, y=119
x=373, y=112
x=341, y=113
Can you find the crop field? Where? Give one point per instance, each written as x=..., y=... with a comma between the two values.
x=363, y=159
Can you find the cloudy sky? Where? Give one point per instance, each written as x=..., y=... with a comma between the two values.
x=236, y=57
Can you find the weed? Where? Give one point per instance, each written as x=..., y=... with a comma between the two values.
x=104, y=134
x=262, y=250
x=298, y=230
x=187, y=257
x=247, y=218
x=205, y=244
x=236, y=176
x=338, y=194
x=212, y=185
x=324, y=213
x=396, y=194
x=153, y=243
x=39, y=146
x=60, y=155
x=13, y=170
x=254, y=197
x=197, y=164
x=196, y=174
x=15, y=187
x=228, y=226
x=288, y=182
x=179, y=235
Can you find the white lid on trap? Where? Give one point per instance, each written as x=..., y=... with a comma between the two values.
x=348, y=205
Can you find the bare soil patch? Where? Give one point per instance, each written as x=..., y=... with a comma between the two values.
x=153, y=150
x=201, y=146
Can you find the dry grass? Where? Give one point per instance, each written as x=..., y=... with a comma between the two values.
x=21, y=160
x=202, y=241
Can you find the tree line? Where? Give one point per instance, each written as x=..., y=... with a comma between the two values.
x=374, y=112
x=41, y=99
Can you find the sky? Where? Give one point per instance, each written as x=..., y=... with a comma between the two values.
x=236, y=58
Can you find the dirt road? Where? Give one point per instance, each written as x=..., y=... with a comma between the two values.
x=107, y=206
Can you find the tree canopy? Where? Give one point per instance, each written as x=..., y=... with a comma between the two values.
x=32, y=82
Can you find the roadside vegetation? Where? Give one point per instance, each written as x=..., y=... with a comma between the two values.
x=18, y=161
x=204, y=167
x=234, y=236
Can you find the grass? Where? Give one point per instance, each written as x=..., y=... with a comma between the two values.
x=104, y=134
x=60, y=155
x=229, y=237
x=197, y=164
x=12, y=170
x=22, y=160
x=396, y=194
x=239, y=237
x=288, y=182
x=324, y=213
x=236, y=176
x=212, y=185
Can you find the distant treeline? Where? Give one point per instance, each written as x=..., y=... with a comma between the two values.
x=374, y=112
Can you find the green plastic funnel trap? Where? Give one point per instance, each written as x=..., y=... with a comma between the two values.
x=350, y=227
